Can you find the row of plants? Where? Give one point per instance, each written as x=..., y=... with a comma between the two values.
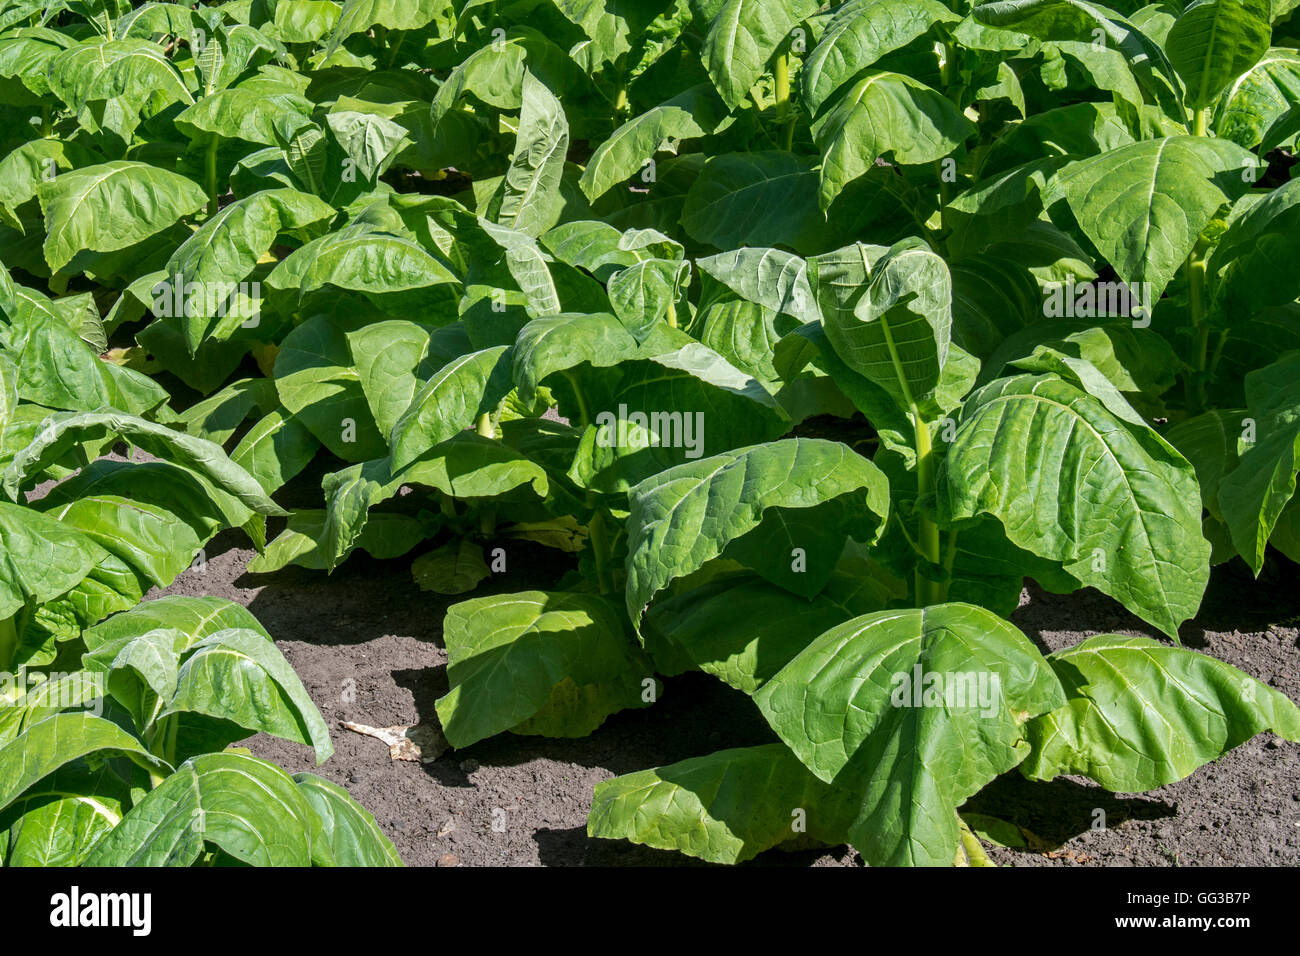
x=603, y=277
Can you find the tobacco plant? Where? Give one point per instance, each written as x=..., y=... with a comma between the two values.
x=616, y=279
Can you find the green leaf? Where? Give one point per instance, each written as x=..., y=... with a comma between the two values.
x=772, y=278
x=1071, y=482
x=1144, y=205
x=742, y=39
x=247, y=807
x=223, y=251
x=526, y=200
x=884, y=114
x=240, y=676
x=1216, y=41
x=535, y=655
x=1256, y=100
x=742, y=630
x=56, y=741
x=914, y=711
x=1252, y=496
x=353, y=837
x=859, y=33
x=61, y=431
x=42, y=559
x=111, y=206
x=1249, y=270
x=318, y=385
x=455, y=568
x=754, y=199
x=900, y=329
x=726, y=807
x=197, y=617
x=690, y=114
x=1140, y=714
x=275, y=449
x=450, y=401
x=689, y=514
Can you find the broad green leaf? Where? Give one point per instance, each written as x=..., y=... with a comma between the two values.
x=914, y=711
x=1250, y=269
x=318, y=385
x=1252, y=496
x=884, y=114
x=241, y=677
x=353, y=837
x=526, y=200
x=726, y=807
x=900, y=329
x=275, y=449
x=689, y=514
x=859, y=33
x=197, y=617
x=450, y=402
x=1259, y=98
x=393, y=360
x=742, y=630
x=56, y=741
x=1144, y=205
x=385, y=536
x=60, y=432
x=112, y=206
x=644, y=294
x=773, y=278
x=560, y=657
x=703, y=391
x=41, y=558
x=1216, y=41
x=690, y=114
x=223, y=251
x=1140, y=714
x=154, y=515
x=249, y=808
x=371, y=141
x=243, y=113
x=455, y=568
x=610, y=25
x=1071, y=482
x=742, y=39
x=466, y=466
x=754, y=199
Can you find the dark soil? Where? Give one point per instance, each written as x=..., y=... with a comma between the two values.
x=367, y=645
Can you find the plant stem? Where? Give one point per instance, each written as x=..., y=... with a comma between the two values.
x=784, y=114
x=927, y=533
x=1194, y=269
x=975, y=854
x=8, y=641
x=599, y=545
x=1201, y=122
x=672, y=313
x=210, y=168
x=483, y=425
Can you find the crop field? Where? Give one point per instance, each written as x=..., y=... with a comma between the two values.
x=649, y=432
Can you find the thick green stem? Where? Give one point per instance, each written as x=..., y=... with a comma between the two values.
x=1201, y=122
x=600, y=551
x=8, y=642
x=210, y=168
x=928, y=592
x=483, y=425
x=620, y=98
x=672, y=312
x=1194, y=270
x=784, y=113
x=975, y=854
